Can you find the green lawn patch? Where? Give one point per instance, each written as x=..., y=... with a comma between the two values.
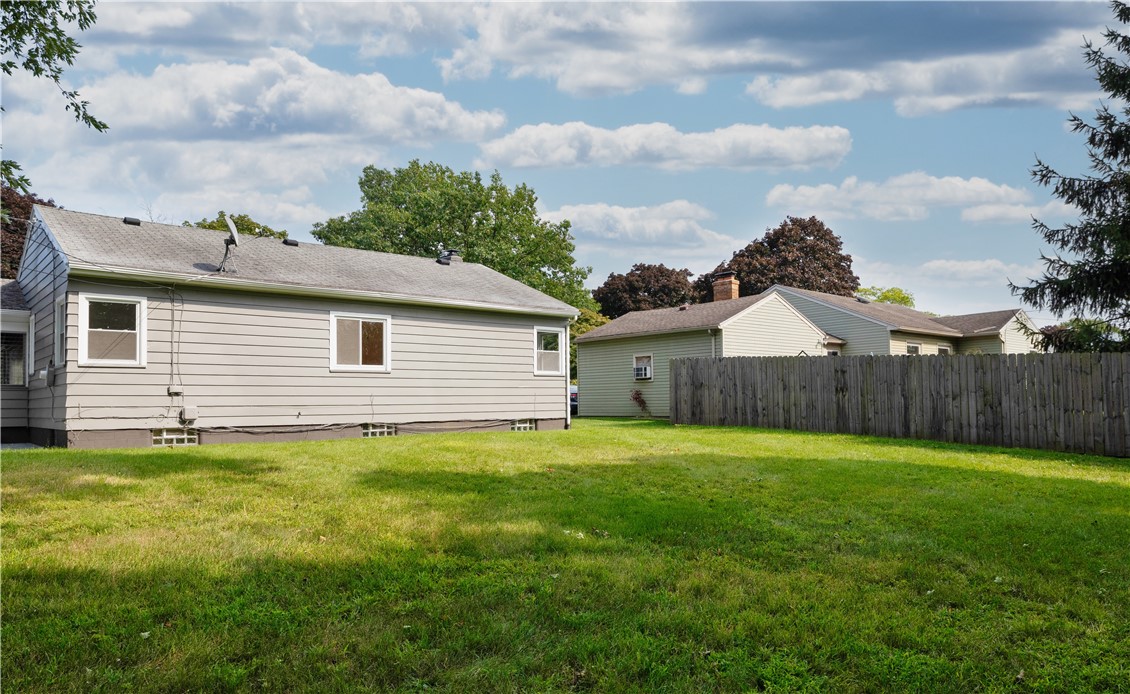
x=619, y=556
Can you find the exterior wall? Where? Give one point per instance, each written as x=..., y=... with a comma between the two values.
x=989, y=344
x=43, y=277
x=249, y=360
x=1015, y=341
x=13, y=406
x=605, y=377
x=860, y=335
x=770, y=329
x=928, y=344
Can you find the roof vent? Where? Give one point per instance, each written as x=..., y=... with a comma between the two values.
x=684, y=307
x=861, y=300
x=132, y=221
x=290, y=242
x=448, y=256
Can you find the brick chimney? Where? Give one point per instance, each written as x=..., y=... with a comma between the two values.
x=725, y=286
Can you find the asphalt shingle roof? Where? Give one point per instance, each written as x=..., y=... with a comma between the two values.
x=979, y=323
x=11, y=296
x=93, y=241
x=899, y=317
x=670, y=320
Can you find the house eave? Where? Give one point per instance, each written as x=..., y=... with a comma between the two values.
x=216, y=282
x=623, y=336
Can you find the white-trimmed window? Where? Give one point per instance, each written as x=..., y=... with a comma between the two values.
x=13, y=359
x=641, y=367
x=913, y=348
x=549, y=351
x=833, y=352
x=60, y=353
x=360, y=342
x=111, y=330
x=945, y=350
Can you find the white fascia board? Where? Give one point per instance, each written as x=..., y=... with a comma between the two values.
x=742, y=312
x=15, y=316
x=650, y=333
x=214, y=282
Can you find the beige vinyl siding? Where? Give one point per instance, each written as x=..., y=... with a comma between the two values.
x=1015, y=341
x=13, y=406
x=246, y=359
x=989, y=344
x=770, y=329
x=860, y=335
x=928, y=344
x=43, y=277
x=605, y=378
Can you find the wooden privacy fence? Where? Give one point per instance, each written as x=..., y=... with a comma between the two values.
x=1062, y=402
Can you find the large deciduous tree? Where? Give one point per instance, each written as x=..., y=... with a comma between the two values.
x=13, y=227
x=1089, y=276
x=422, y=209
x=642, y=288
x=801, y=253
x=244, y=224
x=586, y=321
x=33, y=38
x=887, y=295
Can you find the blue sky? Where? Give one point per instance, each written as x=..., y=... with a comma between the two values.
x=672, y=133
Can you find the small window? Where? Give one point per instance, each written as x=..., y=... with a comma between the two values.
x=549, y=353
x=913, y=348
x=523, y=425
x=641, y=367
x=944, y=350
x=111, y=330
x=13, y=359
x=60, y=331
x=359, y=342
x=175, y=437
x=833, y=353
x=371, y=431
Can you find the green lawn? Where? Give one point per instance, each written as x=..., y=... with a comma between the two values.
x=619, y=556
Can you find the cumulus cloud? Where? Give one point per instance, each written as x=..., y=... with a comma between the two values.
x=1044, y=74
x=674, y=233
x=901, y=198
x=986, y=271
x=1004, y=213
x=660, y=145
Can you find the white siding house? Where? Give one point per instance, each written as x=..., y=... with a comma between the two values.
x=142, y=339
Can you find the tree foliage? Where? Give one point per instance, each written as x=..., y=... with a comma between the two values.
x=801, y=253
x=244, y=224
x=644, y=287
x=424, y=208
x=1089, y=276
x=1083, y=335
x=13, y=227
x=34, y=39
x=887, y=295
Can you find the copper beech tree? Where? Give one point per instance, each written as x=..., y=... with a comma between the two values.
x=642, y=288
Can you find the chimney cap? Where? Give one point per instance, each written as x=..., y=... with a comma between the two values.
x=724, y=275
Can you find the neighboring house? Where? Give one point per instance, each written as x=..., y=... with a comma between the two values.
x=16, y=329
x=633, y=352
x=878, y=328
x=137, y=337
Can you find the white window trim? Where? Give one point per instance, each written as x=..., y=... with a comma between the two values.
x=946, y=347
x=917, y=345
x=141, y=307
x=361, y=368
x=59, y=357
x=651, y=365
x=28, y=331
x=562, y=351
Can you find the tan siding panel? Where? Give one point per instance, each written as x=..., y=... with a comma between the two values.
x=770, y=329
x=927, y=344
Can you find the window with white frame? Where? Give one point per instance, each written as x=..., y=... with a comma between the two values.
x=944, y=350
x=641, y=367
x=549, y=351
x=13, y=359
x=60, y=352
x=360, y=342
x=913, y=348
x=833, y=352
x=111, y=330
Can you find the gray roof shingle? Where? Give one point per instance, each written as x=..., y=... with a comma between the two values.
x=97, y=242
x=971, y=324
x=898, y=317
x=670, y=320
x=11, y=296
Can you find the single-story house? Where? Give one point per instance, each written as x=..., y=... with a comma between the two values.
x=141, y=334
x=878, y=328
x=633, y=352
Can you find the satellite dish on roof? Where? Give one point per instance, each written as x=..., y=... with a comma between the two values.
x=233, y=240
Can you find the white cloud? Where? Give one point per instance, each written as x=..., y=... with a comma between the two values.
x=988, y=271
x=901, y=198
x=1018, y=213
x=660, y=145
x=952, y=286
x=1032, y=75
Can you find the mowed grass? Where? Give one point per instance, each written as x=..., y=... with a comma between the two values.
x=619, y=556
